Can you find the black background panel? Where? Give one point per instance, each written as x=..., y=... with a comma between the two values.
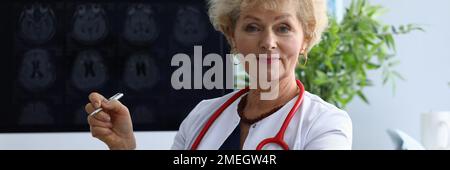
x=54, y=53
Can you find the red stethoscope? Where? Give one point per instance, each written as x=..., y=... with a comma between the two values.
x=278, y=139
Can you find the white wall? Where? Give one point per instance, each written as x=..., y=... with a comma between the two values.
x=425, y=63
x=79, y=141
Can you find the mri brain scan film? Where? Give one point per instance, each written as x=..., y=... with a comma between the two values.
x=58, y=52
x=140, y=72
x=89, y=70
x=190, y=28
x=90, y=23
x=140, y=25
x=37, y=23
x=36, y=72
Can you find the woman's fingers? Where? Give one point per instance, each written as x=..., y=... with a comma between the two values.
x=96, y=99
x=102, y=116
x=113, y=124
x=111, y=107
x=100, y=132
x=89, y=108
x=115, y=107
x=93, y=122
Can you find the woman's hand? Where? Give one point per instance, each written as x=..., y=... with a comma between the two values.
x=113, y=124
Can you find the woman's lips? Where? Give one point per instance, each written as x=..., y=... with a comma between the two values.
x=268, y=60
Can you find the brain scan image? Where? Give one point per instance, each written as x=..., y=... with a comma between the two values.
x=35, y=113
x=142, y=114
x=140, y=25
x=37, y=23
x=140, y=72
x=190, y=29
x=90, y=24
x=89, y=71
x=36, y=72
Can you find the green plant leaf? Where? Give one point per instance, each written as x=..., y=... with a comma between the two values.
x=372, y=66
x=398, y=75
x=362, y=97
x=338, y=66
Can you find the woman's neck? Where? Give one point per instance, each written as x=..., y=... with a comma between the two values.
x=287, y=89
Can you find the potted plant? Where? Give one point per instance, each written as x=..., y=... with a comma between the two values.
x=336, y=69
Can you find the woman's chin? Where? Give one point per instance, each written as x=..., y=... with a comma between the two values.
x=269, y=77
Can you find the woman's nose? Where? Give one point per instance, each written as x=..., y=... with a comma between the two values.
x=268, y=41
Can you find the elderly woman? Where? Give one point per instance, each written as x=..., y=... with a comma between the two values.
x=282, y=30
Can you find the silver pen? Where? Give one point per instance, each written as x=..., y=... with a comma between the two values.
x=115, y=97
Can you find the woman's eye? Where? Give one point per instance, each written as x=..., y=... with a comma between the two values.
x=251, y=28
x=284, y=29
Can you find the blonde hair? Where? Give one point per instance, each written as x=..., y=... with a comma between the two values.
x=311, y=13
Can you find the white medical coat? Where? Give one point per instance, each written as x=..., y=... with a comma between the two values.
x=316, y=125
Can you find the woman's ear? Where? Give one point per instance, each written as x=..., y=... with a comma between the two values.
x=305, y=44
x=304, y=47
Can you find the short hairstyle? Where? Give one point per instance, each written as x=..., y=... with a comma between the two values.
x=311, y=13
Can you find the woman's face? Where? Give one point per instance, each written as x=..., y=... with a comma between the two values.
x=276, y=33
